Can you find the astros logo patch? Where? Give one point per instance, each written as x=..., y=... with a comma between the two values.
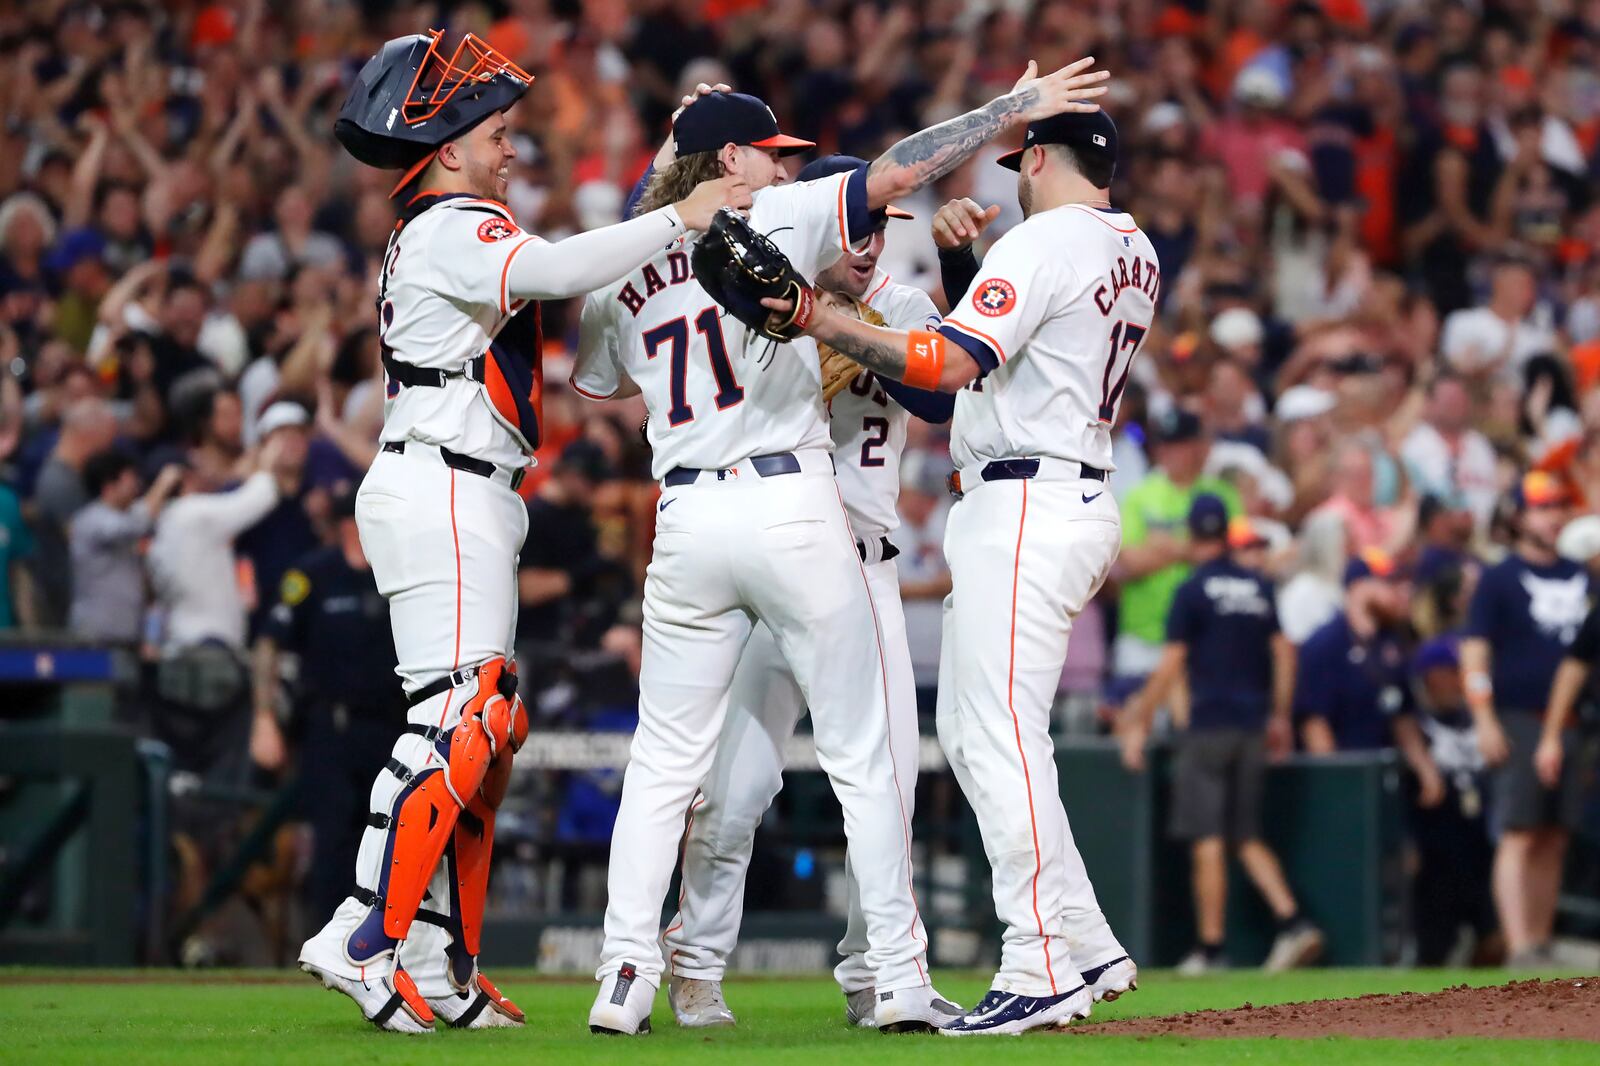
x=994, y=297
x=495, y=229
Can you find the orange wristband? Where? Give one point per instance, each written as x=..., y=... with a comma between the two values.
x=924, y=360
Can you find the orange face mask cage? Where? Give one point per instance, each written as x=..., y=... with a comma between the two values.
x=486, y=63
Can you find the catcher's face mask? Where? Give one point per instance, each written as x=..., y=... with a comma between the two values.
x=439, y=79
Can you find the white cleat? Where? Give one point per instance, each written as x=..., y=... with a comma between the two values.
x=698, y=1004
x=479, y=1007
x=1112, y=979
x=919, y=1009
x=1299, y=945
x=389, y=1001
x=622, y=1006
x=860, y=1008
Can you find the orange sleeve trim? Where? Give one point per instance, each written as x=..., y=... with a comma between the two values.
x=581, y=391
x=982, y=336
x=844, y=233
x=505, y=271
x=874, y=294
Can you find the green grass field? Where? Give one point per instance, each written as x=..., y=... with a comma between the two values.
x=121, y=1019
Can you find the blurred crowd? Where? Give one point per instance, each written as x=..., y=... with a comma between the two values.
x=1376, y=220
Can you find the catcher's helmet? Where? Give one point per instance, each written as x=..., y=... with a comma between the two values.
x=409, y=99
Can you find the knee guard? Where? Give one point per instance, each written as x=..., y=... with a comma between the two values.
x=439, y=774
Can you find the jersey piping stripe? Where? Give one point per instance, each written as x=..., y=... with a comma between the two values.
x=581, y=391
x=874, y=294
x=1096, y=215
x=844, y=233
x=979, y=334
x=888, y=725
x=505, y=271
x=1027, y=778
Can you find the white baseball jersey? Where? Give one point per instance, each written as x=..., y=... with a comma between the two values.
x=1059, y=310
x=443, y=299
x=718, y=393
x=869, y=427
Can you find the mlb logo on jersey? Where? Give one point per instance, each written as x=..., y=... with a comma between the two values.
x=495, y=229
x=994, y=297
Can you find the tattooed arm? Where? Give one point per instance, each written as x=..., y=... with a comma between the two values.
x=927, y=156
x=880, y=349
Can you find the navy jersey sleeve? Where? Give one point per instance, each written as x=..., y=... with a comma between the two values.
x=1486, y=604
x=1185, y=618
x=934, y=407
x=1270, y=591
x=958, y=269
x=1585, y=647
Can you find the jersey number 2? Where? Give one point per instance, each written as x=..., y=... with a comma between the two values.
x=1125, y=337
x=709, y=325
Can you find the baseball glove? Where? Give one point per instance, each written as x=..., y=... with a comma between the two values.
x=738, y=267
x=839, y=370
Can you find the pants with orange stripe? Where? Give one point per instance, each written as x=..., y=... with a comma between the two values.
x=1025, y=558
x=729, y=552
x=443, y=547
x=764, y=705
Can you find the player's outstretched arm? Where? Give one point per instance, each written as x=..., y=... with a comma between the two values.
x=922, y=360
x=929, y=155
x=588, y=261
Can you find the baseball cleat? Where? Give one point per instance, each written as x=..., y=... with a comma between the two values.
x=1299, y=945
x=391, y=1002
x=480, y=1007
x=1010, y=1014
x=698, y=1004
x=918, y=1009
x=860, y=1008
x=622, y=1006
x=1112, y=979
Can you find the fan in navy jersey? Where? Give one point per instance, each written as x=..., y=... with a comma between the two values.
x=1525, y=613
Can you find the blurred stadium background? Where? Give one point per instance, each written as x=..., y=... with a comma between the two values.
x=1379, y=227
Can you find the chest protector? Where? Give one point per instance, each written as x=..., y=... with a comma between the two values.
x=511, y=369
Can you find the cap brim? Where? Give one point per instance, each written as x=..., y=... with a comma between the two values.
x=895, y=212
x=1012, y=160
x=785, y=144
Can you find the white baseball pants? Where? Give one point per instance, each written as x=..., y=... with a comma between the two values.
x=764, y=704
x=1025, y=558
x=729, y=551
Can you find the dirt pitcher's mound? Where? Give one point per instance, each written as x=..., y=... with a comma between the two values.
x=1568, y=1009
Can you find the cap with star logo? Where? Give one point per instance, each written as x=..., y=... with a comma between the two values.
x=1091, y=132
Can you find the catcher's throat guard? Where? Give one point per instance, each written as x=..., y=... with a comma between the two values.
x=738, y=267
x=410, y=98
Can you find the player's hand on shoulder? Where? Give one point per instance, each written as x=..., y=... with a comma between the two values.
x=697, y=209
x=961, y=221
x=1072, y=88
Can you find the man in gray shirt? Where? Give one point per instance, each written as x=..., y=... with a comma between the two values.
x=108, y=590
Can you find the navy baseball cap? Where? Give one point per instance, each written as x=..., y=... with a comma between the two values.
x=1090, y=132
x=1208, y=517
x=838, y=164
x=716, y=119
x=1176, y=425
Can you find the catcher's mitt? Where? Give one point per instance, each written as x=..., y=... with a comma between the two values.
x=738, y=267
x=839, y=370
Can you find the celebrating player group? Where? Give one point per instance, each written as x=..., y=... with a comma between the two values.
x=780, y=367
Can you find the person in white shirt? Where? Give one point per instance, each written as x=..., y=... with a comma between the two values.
x=1447, y=457
x=1499, y=338
x=192, y=564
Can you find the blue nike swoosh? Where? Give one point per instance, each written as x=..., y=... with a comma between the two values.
x=1096, y=496
x=664, y=504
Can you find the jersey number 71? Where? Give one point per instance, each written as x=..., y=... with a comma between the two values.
x=676, y=333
